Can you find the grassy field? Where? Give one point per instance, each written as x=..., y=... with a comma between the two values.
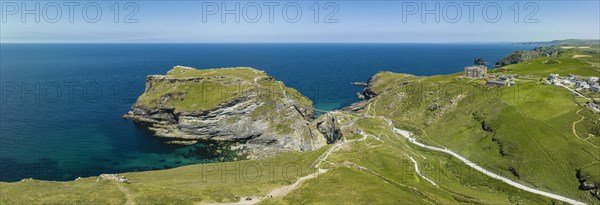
x=537, y=67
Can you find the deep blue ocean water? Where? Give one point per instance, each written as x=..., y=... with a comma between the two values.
x=61, y=104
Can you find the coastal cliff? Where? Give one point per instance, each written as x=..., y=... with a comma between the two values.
x=521, y=55
x=241, y=104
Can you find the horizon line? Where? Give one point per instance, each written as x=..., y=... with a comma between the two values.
x=450, y=42
x=311, y=42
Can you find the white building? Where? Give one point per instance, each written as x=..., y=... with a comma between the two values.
x=592, y=80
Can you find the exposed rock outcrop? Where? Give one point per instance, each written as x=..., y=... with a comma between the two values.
x=369, y=92
x=112, y=177
x=329, y=127
x=584, y=184
x=486, y=127
x=360, y=96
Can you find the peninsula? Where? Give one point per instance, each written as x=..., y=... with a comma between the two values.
x=241, y=105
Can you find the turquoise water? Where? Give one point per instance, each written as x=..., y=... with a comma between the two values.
x=61, y=104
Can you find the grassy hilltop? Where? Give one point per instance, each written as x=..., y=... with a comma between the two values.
x=210, y=87
x=536, y=134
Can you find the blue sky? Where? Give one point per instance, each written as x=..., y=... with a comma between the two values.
x=355, y=21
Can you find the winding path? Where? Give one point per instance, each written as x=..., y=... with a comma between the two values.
x=575, y=129
x=575, y=123
x=419, y=172
x=408, y=135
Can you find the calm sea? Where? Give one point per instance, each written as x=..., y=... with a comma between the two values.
x=61, y=104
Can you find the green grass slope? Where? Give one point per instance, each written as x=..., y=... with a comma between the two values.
x=531, y=125
x=378, y=170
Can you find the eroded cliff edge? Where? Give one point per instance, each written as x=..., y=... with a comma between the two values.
x=240, y=104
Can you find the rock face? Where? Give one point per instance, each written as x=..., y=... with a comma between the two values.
x=329, y=127
x=368, y=92
x=229, y=104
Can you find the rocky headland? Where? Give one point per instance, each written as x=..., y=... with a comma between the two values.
x=240, y=104
x=525, y=55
